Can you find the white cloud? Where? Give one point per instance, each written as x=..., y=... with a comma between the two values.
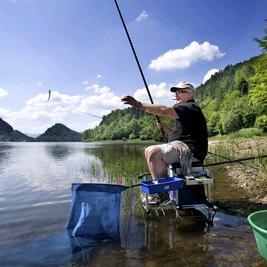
x=209, y=74
x=160, y=92
x=142, y=16
x=4, y=112
x=38, y=113
x=39, y=84
x=98, y=76
x=3, y=92
x=101, y=102
x=85, y=82
x=92, y=87
x=184, y=58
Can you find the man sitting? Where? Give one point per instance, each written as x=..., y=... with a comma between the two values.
x=187, y=139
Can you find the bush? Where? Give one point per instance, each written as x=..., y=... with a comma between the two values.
x=231, y=122
x=247, y=133
x=261, y=122
x=132, y=136
x=242, y=133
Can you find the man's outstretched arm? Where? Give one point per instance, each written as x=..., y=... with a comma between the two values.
x=155, y=109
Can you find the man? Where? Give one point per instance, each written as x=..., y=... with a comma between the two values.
x=187, y=140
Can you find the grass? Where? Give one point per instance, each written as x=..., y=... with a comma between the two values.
x=242, y=133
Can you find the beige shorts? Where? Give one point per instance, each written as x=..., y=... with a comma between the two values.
x=171, y=152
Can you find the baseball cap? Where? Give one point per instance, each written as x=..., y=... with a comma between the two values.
x=183, y=85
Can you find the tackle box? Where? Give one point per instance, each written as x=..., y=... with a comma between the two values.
x=162, y=185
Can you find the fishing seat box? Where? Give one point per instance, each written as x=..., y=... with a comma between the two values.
x=162, y=185
x=192, y=193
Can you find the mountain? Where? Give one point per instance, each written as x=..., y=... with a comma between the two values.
x=59, y=133
x=232, y=99
x=8, y=134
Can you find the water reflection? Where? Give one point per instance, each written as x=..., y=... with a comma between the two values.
x=35, y=201
x=154, y=241
x=5, y=151
x=51, y=167
x=59, y=151
x=120, y=160
x=57, y=250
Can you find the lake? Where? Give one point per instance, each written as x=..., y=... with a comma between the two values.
x=35, y=199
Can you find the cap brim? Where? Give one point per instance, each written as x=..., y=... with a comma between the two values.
x=174, y=89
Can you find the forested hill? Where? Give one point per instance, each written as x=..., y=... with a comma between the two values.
x=236, y=97
x=123, y=124
x=59, y=133
x=232, y=99
x=8, y=134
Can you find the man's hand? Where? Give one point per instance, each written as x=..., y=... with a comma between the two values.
x=160, y=125
x=164, y=127
x=129, y=100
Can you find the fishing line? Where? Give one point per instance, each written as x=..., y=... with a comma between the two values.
x=137, y=61
x=90, y=114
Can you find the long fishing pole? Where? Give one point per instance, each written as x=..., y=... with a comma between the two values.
x=240, y=162
x=234, y=160
x=136, y=59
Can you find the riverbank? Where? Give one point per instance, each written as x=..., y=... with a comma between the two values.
x=250, y=176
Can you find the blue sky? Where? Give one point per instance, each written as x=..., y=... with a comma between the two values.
x=79, y=51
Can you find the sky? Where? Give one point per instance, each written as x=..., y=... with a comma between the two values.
x=78, y=49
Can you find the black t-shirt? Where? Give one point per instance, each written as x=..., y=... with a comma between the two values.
x=191, y=128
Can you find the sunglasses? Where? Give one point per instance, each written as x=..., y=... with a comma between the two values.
x=181, y=91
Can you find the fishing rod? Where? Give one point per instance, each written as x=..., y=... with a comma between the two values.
x=137, y=61
x=90, y=114
x=234, y=160
x=240, y=162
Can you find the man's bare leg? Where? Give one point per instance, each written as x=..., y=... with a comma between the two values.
x=156, y=165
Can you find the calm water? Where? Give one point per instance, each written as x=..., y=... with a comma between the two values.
x=35, y=198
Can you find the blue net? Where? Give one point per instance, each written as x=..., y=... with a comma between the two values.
x=95, y=211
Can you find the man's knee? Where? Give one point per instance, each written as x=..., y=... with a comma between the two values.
x=152, y=151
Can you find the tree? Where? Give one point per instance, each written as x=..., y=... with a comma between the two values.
x=261, y=122
x=231, y=122
x=258, y=98
x=213, y=122
x=262, y=42
x=239, y=114
x=242, y=86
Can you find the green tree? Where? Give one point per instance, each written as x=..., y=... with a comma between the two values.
x=238, y=114
x=262, y=42
x=242, y=86
x=146, y=133
x=231, y=122
x=258, y=97
x=213, y=123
